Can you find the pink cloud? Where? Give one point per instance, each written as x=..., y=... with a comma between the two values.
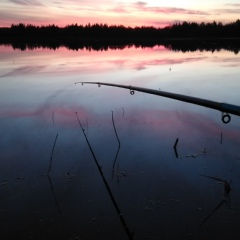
x=119, y=9
x=139, y=3
x=27, y=2
x=16, y=16
x=142, y=6
x=229, y=8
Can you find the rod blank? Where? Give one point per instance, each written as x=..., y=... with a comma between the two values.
x=225, y=108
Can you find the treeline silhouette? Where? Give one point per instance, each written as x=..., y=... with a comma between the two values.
x=103, y=31
x=103, y=37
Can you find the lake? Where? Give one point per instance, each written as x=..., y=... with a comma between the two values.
x=118, y=177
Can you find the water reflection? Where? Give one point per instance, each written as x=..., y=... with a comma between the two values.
x=54, y=195
x=159, y=195
x=183, y=45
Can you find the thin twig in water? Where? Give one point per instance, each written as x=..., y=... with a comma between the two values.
x=175, y=145
x=50, y=164
x=214, y=178
x=115, y=161
x=214, y=210
x=53, y=117
x=115, y=129
x=197, y=154
x=119, y=145
x=227, y=186
x=227, y=189
x=175, y=148
x=123, y=112
x=130, y=236
x=87, y=126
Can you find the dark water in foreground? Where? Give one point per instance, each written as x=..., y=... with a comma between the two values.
x=191, y=193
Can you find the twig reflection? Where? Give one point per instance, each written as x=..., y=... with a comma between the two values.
x=54, y=195
x=115, y=160
x=49, y=177
x=176, y=152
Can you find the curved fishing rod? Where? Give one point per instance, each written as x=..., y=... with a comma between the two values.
x=225, y=108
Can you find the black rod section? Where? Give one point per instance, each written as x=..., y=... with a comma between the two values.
x=223, y=107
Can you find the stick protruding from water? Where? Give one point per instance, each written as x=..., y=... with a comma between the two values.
x=175, y=145
x=50, y=164
x=129, y=234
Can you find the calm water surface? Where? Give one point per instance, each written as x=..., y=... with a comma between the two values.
x=190, y=193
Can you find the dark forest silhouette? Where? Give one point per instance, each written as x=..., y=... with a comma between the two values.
x=204, y=36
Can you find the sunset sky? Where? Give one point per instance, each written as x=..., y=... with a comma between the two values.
x=117, y=12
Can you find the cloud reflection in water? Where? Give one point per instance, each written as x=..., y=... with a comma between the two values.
x=156, y=191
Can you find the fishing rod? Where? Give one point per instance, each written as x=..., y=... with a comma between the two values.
x=225, y=108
